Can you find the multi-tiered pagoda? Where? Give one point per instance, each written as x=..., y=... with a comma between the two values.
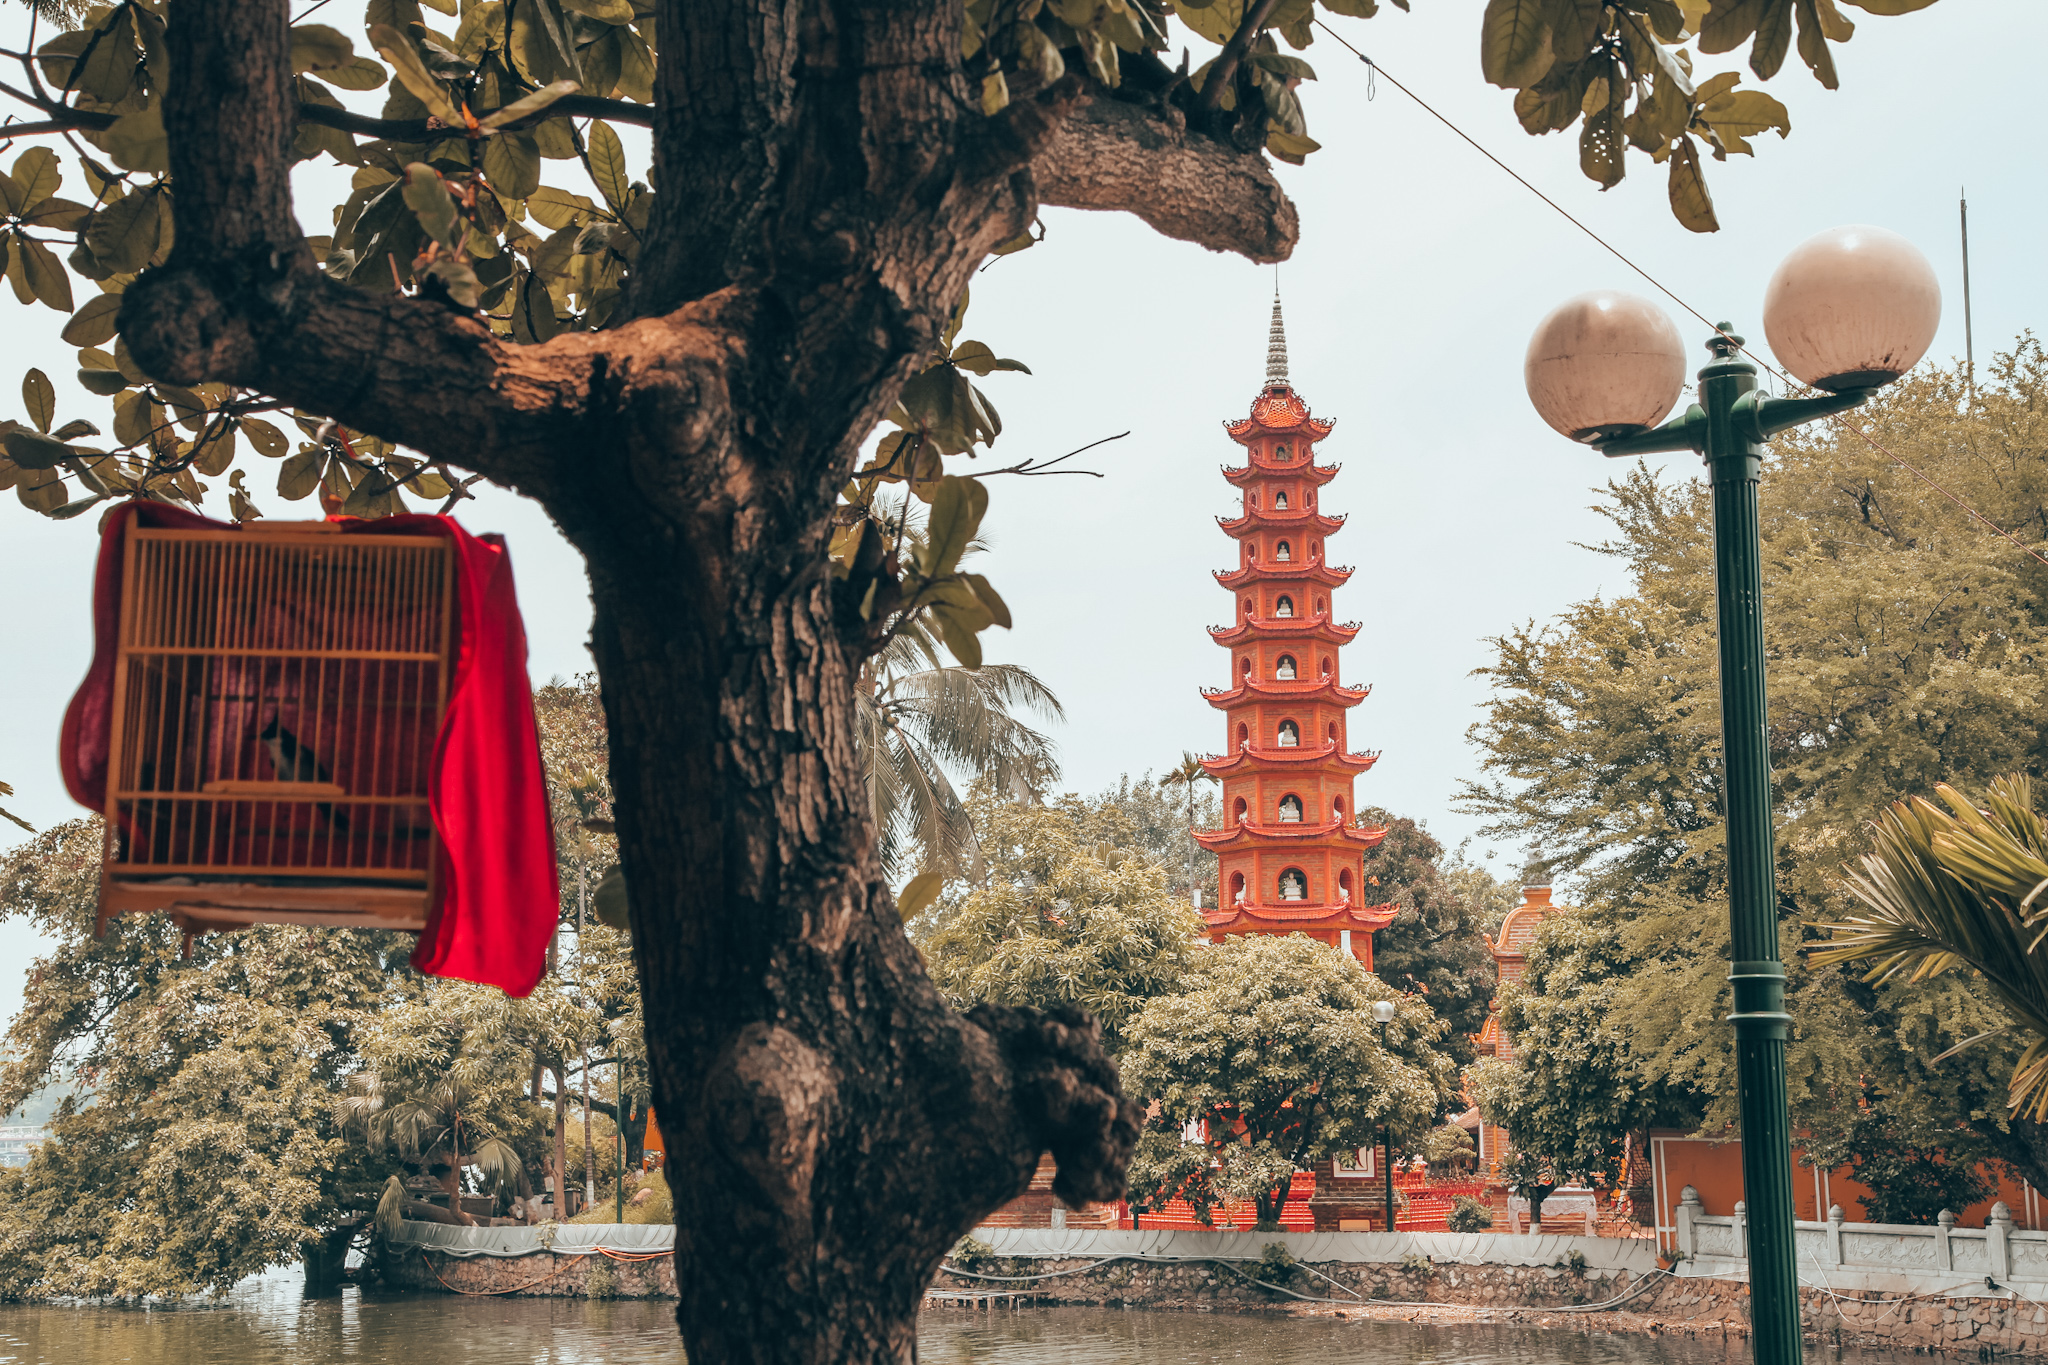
x=1291, y=850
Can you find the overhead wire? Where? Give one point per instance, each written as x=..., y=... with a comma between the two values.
x=1373, y=69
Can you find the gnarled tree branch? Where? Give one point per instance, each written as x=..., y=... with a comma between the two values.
x=1132, y=158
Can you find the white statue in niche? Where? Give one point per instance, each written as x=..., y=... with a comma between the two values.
x=1282, y=554
x=1282, y=454
x=1293, y=886
x=1280, y=501
x=1290, y=810
x=1285, y=671
x=1284, y=607
x=1290, y=734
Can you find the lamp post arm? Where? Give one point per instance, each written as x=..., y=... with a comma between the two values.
x=1687, y=433
x=1764, y=418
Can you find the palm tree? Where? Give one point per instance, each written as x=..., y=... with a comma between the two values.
x=919, y=715
x=1962, y=887
x=432, y=1131
x=1186, y=775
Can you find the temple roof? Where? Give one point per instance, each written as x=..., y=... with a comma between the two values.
x=1294, y=756
x=1317, y=474
x=1300, y=690
x=1294, y=518
x=1330, y=575
x=1278, y=408
x=1281, y=627
x=1519, y=928
x=1293, y=832
x=1290, y=915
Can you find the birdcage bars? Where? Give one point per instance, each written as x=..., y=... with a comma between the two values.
x=277, y=697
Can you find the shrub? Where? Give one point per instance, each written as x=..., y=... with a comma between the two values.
x=599, y=1282
x=1417, y=1264
x=1574, y=1261
x=1276, y=1265
x=1469, y=1215
x=971, y=1253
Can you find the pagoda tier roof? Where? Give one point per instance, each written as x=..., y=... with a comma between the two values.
x=1293, y=519
x=1317, y=474
x=1293, y=756
x=1294, y=570
x=1248, y=832
x=1277, y=408
x=1301, y=689
x=1287, y=916
x=1286, y=628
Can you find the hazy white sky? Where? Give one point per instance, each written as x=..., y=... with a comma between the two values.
x=1421, y=272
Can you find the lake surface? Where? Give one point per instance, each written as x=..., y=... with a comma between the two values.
x=266, y=1321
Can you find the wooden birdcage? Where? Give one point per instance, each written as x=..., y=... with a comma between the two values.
x=277, y=694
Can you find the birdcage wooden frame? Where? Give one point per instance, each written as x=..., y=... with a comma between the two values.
x=277, y=695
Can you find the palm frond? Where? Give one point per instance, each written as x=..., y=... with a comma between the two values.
x=1954, y=888
x=927, y=812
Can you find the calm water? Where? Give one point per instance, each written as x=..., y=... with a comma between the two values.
x=267, y=1322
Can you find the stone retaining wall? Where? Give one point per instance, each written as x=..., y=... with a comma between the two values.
x=543, y=1274
x=1531, y=1294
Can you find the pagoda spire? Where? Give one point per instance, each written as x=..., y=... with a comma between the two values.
x=1276, y=345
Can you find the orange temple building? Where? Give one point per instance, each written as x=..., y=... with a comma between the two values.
x=1290, y=852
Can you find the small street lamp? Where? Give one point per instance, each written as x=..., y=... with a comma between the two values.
x=1383, y=1010
x=1847, y=311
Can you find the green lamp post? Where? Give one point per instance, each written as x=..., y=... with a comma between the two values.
x=1383, y=1011
x=1849, y=310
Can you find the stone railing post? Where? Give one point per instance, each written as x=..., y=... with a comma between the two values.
x=1998, y=1232
x=1834, y=1234
x=1944, y=1250
x=1742, y=1228
x=1688, y=1209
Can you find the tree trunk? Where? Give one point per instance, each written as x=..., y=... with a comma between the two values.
x=561, y=1153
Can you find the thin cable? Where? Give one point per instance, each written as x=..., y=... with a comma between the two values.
x=1374, y=68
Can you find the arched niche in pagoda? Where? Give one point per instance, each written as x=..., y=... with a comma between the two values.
x=1284, y=670
x=1293, y=885
x=1284, y=607
x=1282, y=553
x=1290, y=734
x=1290, y=809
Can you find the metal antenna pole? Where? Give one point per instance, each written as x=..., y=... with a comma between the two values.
x=1969, y=342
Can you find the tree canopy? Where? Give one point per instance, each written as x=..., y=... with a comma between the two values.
x=1905, y=647
x=1435, y=945
x=1269, y=1049
x=1071, y=912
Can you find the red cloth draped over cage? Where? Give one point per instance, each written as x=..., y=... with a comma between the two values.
x=318, y=723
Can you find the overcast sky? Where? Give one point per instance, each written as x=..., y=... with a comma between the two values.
x=1421, y=271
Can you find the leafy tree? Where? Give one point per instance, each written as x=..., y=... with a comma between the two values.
x=1185, y=777
x=1160, y=823
x=1435, y=944
x=199, y=1146
x=685, y=380
x=919, y=715
x=1272, y=1050
x=1905, y=647
x=1910, y=1164
x=1068, y=915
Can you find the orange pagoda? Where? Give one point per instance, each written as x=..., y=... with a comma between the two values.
x=1290, y=851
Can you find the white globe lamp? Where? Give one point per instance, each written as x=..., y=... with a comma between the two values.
x=1852, y=308
x=1604, y=364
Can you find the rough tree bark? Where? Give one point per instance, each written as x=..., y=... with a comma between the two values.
x=828, y=186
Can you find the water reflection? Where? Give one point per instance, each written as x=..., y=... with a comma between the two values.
x=266, y=1321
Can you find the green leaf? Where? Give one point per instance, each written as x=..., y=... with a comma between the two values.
x=1729, y=24
x=72, y=509
x=268, y=440
x=977, y=357
x=214, y=451
x=412, y=73
x=358, y=74
x=529, y=105
x=1890, y=6
x=1284, y=66
x=512, y=164
x=1773, y=38
x=1601, y=148
x=1813, y=40
x=37, y=176
x=316, y=47
x=959, y=636
x=991, y=601
x=558, y=209
x=137, y=142
x=94, y=323
x=1744, y=114
x=1690, y=202
x=1035, y=52
x=1291, y=147
x=426, y=194
x=608, y=900
x=922, y=891
x=995, y=93
x=300, y=474
x=1514, y=43
x=122, y=237
x=33, y=450
x=957, y=509
x=40, y=396
x=46, y=274
x=77, y=429
x=610, y=11
x=607, y=163
x=105, y=383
